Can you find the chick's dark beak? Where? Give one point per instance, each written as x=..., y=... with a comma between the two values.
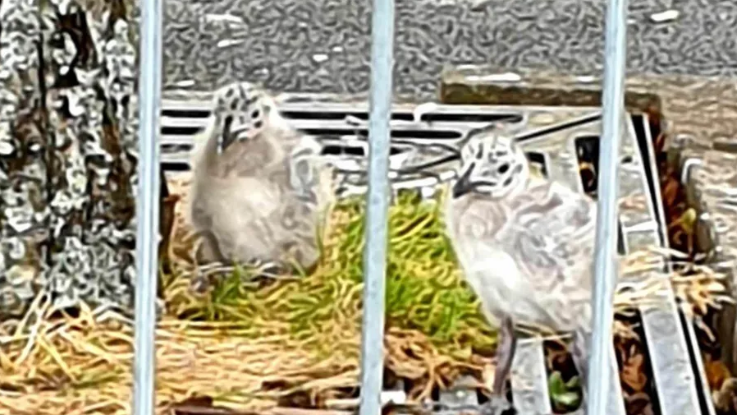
x=463, y=185
x=227, y=135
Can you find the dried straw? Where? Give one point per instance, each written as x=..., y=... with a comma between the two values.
x=291, y=339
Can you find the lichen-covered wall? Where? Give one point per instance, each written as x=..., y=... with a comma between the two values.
x=67, y=152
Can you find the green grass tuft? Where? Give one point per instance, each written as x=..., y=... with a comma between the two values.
x=424, y=288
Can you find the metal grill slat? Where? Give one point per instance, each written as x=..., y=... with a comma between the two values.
x=674, y=380
x=703, y=383
x=668, y=352
x=529, y=378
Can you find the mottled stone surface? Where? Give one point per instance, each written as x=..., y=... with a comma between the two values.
x=68, y=177
x=324, y=45
x=91, y=85
x=23, y=148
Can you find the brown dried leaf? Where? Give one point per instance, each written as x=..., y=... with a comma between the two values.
x=639, y=404
x=716, y=373
x=633, y=372
x=725, y=399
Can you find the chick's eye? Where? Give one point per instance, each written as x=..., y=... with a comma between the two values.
x=504, y=168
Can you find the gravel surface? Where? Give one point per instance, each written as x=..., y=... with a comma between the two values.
x=324, y=45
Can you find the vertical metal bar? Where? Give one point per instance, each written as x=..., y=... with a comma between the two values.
x=374, y=259
x=605, y=275
x=147, y=208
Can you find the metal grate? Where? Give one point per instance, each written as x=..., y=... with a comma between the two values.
x=425, y=144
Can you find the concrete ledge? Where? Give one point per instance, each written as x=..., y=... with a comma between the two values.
x=699, y=112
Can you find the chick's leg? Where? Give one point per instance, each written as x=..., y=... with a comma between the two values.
x=209, y=250
x=504, y=355
x=268, y=269
x=498, y=403
x=579, y=352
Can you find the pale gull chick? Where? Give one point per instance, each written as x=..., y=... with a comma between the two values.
x=260, y=190
x=525, y=245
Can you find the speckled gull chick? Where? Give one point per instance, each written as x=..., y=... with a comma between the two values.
x=525, y=245
x=260, y=190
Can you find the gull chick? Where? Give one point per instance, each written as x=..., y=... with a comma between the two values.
x=525, y=245
x=259, y=190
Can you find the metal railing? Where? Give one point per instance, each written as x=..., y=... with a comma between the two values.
x=378, y=200
x=374, y=258
x=147, y=209
x=605, y=274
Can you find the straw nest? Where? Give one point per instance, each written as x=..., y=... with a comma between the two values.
x=293, y=340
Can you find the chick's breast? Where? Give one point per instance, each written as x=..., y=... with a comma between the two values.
x=234, y=211
x=528, y=257
x=264, y=200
